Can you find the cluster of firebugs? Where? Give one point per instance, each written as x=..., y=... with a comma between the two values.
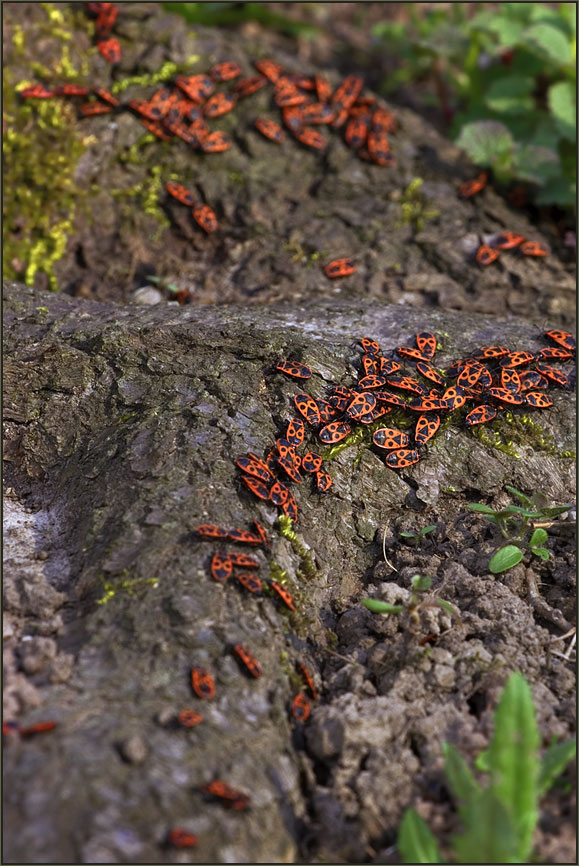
x=492, y=378
x=184, y=109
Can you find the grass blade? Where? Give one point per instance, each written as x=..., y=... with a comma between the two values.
x=513, y=761
x=554, y=762
x=415, y=842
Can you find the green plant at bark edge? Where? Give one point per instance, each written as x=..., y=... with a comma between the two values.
x=506, y=76
x=513, y=523
x=416, y=536
x=236, y=14
x=498, y=820
x=416, y=601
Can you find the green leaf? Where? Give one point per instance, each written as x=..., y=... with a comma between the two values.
x=550, y=42
x=482, y=761
x=505, y=558
x=541, y=552
x=519, y=511
x=554, y=762
x=480, y=508
x=447, y=606
x=511, y=93
x=536, y=164
x=562, y=102
x=415, y=842
x=526, y=500
x=538, y=537
x=555, y=510
x=487, y=142
x=517, y=11
x=513, y=759
x=421, y=583
x=490, y=835
x=462, y=783
x=376, y=606
x=569, y=13
x=541, y=12
x=560, y=192
x=545, y=133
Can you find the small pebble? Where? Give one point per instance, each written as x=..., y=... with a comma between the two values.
x=147, y=296
x=133, y=750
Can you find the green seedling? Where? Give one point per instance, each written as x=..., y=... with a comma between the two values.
x=416, y=602
x=498, y=819
x=162, y=283
x=415, y=537
x=517, y=521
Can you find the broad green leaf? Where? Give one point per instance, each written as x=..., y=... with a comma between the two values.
x=511, y=93
x=376, y=606
x=505, y=558
x=538, y=537
x=415, y=842
x=550, y=42
x=490, y=835
x=569, y=13
x=518, y=11
x=462, y=783
x=508, y=31
x=482, y=509
x=541, y=12
x=554, y=762
x=541, y=552
x=487, y=142
x=511, y=105
x=421, y=583
x=513, y=759
x=536, y=164
x=560, y=192
x=545, y=133
x=563, y=105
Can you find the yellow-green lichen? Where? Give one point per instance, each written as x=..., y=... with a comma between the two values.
x=277, y=573
x=363, y=435
x=493, y=439
x=128, y=585
x=306, y=568
x=414, y=206
x=510, y=430
x=41, y=151
x=529, y=432
x=148, y=192
x=165, y=73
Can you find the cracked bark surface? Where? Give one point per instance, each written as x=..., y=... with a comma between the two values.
x=122, y=425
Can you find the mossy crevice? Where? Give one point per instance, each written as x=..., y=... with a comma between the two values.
x=306, y=568
x=41, y=149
